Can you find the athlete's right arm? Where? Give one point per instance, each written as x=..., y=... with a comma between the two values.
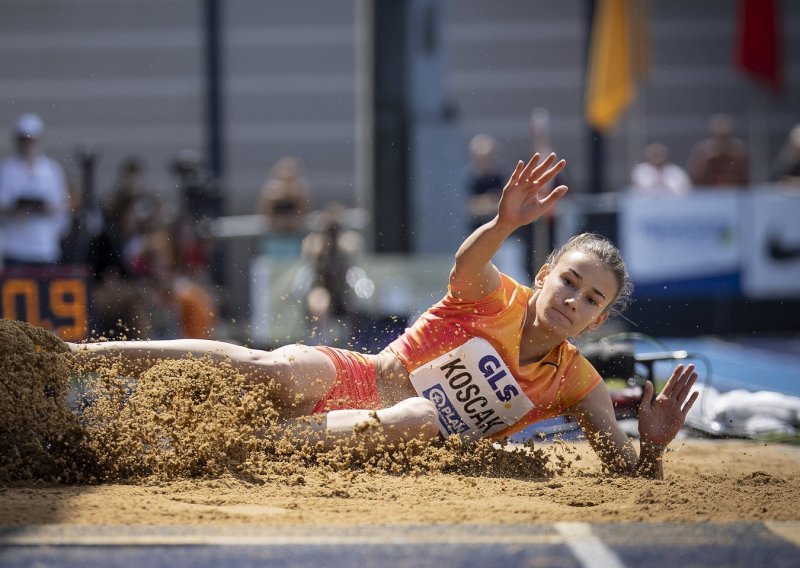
x=373, y=430
x=473, y=275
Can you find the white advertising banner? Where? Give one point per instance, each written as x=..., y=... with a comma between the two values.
x=473, y=390
x=680, y=238
x=772, y=244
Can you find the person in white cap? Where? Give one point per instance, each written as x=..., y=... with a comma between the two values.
x=34, y=200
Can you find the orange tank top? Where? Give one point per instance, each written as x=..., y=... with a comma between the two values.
x=560, y=379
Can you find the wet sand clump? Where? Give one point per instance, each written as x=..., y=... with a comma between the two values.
x=38, y=434
x=179, y=419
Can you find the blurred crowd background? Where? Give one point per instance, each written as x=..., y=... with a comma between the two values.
x=266, y=171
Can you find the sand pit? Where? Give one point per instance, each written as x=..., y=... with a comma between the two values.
x=179, y=446
x=705, y=481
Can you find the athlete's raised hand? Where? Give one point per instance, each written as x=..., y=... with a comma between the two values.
x=522, y=201
x=662, y=417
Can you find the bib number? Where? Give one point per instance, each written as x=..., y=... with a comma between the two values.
x=473, y=390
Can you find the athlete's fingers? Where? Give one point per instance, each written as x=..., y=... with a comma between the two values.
x=518, y=171
x=667, y=390
x=686, y=386
x=681, y=379
x=554, y=196
x=536, y=173
x=688, y=406
x=530, y=166
x=647, y=397
x=552, y=172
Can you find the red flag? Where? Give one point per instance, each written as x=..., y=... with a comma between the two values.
x=759, y=43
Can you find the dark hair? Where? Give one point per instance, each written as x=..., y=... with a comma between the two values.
x=609, y=255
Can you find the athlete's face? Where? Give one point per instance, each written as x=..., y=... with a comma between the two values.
x=573, y=294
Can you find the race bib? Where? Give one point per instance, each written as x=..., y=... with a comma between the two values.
x=473, y=390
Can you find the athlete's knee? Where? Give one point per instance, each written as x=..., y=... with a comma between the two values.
x=418, y=416
x=418, y=408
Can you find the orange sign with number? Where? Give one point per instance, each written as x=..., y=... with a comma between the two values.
x=52, y=298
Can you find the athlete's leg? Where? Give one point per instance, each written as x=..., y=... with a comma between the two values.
x=304, y=375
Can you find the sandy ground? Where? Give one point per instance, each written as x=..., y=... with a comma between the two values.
x=719, y=481
x=184, y=444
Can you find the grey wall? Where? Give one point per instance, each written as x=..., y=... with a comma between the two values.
x=291, y=91
x=126, y=76
x=510, y=57
x=123, y=76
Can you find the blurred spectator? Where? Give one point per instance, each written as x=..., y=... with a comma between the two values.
x=201, y=201
x=129, y=212
x=657, y=175
x=484, y=183
x=200, y=193
x=131, y=196
x=541, y=143
x=186, y=308
x=123, y=302
x=161, y=298
x=71, y=251
x=786, y=168
x=285, y=198
x=721, y=159
x=332, y=251
x=284, y=201
x=34, y=200
x=540, y=131
x=87, y=217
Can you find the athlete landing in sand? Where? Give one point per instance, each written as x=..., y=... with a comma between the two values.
x=489, y=359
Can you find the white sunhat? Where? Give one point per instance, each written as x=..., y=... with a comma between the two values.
x=29, y=125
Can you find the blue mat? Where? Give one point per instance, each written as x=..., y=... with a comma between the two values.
x=751, y=365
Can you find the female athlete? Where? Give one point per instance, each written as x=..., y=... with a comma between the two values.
x=492, y=357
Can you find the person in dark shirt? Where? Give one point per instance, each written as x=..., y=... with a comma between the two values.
x=721, y=159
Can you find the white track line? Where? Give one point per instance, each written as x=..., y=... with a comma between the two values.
x=587, y=548
x=788, y=530
x=203, y=536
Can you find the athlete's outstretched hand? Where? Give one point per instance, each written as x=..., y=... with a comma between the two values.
x=662, y=417
x=521, y=202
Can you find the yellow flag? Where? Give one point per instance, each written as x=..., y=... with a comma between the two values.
x=610, y=85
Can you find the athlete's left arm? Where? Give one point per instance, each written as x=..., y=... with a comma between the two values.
x=660, y=419
x=595, y=414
